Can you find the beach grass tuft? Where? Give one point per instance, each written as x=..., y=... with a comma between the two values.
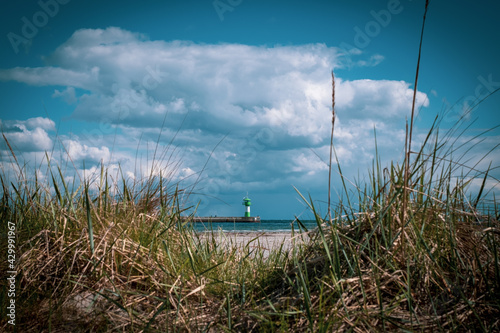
x=414, y=248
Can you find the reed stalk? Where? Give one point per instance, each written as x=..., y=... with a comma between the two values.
x=409, y=136
x=147, y=270
x=331, y=151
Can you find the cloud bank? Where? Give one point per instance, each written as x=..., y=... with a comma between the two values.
x=270, y=106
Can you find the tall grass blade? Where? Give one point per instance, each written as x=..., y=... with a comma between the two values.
x=89, y=219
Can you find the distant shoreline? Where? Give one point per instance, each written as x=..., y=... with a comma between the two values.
x=265, y=226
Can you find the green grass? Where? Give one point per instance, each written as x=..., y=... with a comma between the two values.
x=99, y=257
x=411, y=249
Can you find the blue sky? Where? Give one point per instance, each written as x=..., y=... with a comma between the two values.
x=244, y=85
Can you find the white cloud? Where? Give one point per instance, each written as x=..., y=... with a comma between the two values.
x=187, y=172
x=370, y=99
x=224, y=86
x=29, y=135
x=307, y=163
x=43, y=123
x=69, y=95
x=46, y=76
x=373, y=61
x=272, y=102
x=78, y=152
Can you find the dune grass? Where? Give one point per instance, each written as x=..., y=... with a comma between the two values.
x=412, y=249
x=97, y=256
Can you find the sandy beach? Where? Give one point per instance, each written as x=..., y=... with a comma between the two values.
x=264, y=240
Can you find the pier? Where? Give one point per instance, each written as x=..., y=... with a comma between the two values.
x=235, y=219
x=215, y=219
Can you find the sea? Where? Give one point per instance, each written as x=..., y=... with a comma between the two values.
x=262, y=226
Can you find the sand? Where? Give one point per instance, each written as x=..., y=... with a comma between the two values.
x=266, y=241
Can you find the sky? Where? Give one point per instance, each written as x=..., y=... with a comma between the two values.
x=233, y=97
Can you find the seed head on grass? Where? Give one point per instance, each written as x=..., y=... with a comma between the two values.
x=331, y=151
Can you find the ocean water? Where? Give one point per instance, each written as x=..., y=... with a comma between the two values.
x=262, y=226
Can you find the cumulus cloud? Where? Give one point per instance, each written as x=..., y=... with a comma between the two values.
x=43, y=123
x=370, y=99
x=29, y=135
x=272, y=105
x=130, y=80
x=78, y=151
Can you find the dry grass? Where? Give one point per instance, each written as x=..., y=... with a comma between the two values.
x=410, y=251
x=119, y=259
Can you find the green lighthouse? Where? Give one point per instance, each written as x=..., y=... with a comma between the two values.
x=247, y=203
